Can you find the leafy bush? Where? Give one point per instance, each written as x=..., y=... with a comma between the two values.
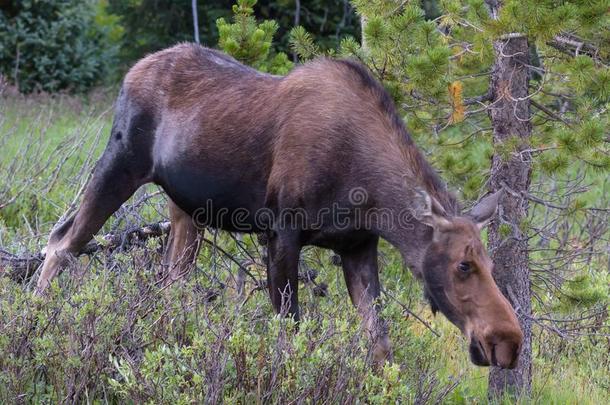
x=112, y=333
x=52, y=45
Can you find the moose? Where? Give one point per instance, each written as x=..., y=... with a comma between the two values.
x=222, y=137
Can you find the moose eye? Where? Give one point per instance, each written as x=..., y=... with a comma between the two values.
x=464, y=267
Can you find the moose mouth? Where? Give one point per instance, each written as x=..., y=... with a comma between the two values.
x=477, y=354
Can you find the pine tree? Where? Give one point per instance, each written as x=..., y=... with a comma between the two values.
x=514, y=95
x=511, y=122
x=249, y=41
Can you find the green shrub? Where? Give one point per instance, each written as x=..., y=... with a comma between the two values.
x=250, y=42
x=53, y=45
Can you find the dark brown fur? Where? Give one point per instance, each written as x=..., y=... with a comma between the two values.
x=210, y=130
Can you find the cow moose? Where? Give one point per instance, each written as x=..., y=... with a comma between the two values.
x=224, y=138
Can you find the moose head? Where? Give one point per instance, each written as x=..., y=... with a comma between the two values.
x=458, y=282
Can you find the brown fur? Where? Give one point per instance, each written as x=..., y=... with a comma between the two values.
x=208, y=129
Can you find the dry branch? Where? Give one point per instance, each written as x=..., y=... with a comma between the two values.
x=19, y=268
x=22, y=268
x=574, y=46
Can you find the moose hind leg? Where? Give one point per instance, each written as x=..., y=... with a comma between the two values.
x=117, y=175
x=103, y=196
x=183, y=245
x=362, y=278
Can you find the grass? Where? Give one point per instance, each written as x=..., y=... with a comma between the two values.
x=108, y=333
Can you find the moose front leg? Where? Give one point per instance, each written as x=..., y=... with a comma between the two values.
x=283, y=249
x=362, y=279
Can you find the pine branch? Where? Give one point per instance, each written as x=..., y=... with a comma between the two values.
x=478, y=99
x=572, y=45
x=549, y=113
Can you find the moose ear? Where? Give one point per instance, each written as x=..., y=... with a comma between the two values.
x=485, y=209
x=429, y=211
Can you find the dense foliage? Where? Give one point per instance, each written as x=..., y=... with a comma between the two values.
x=177, y=346
x=151, y=25
x=250, y=42
x=328, y=20
x=52, y=45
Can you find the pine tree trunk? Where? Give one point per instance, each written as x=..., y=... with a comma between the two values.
x=510, y=117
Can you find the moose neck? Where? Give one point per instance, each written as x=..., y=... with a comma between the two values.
x=395, y=169
x=396, y=196
x=405, y=233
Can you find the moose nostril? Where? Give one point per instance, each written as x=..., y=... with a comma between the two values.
x=505, y=354
x=502, y=353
